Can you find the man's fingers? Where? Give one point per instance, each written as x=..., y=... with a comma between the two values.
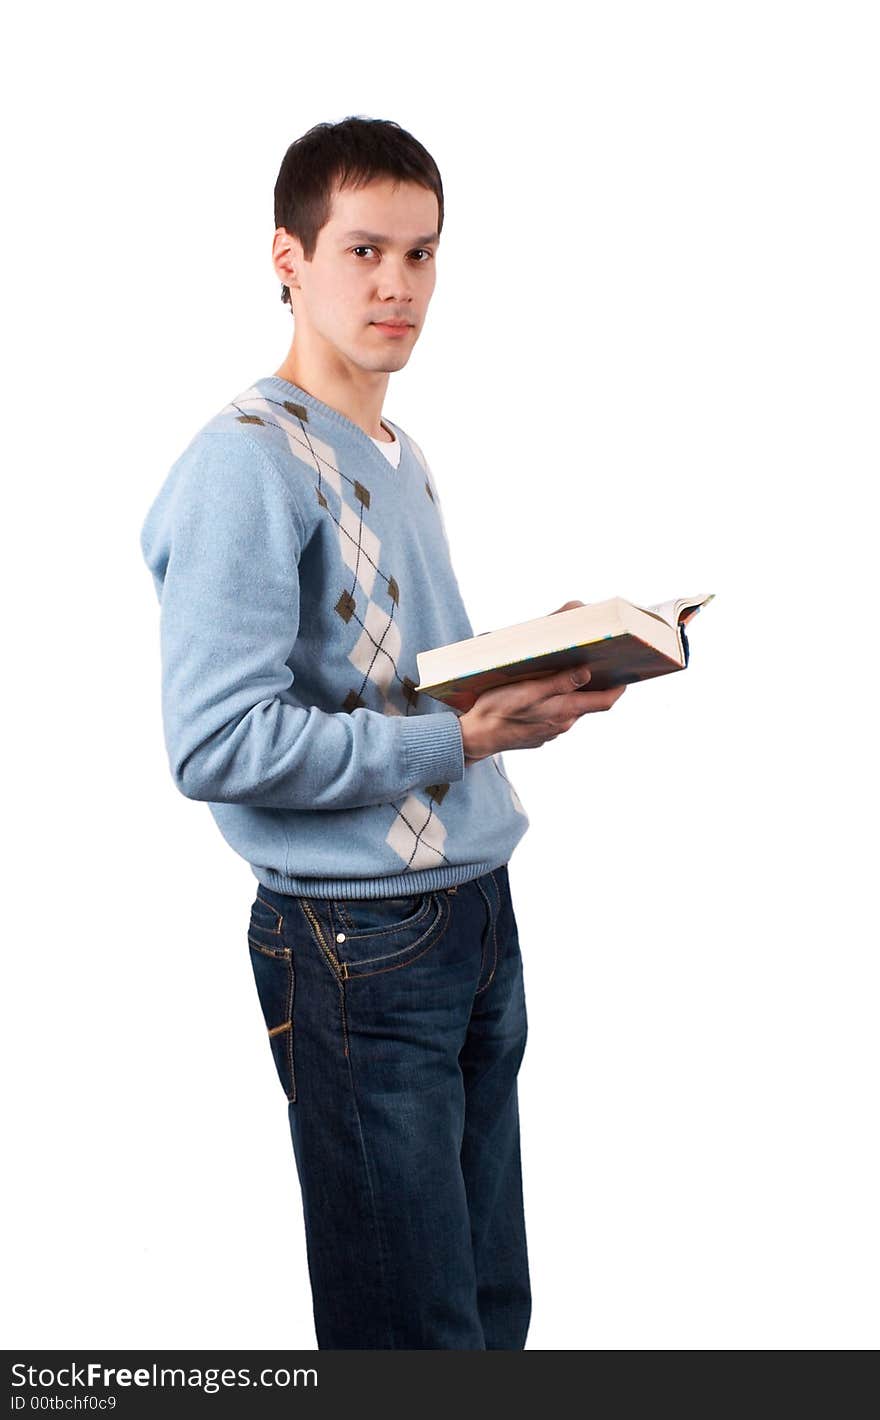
x=581, y=702
x=552, y=683
x=556, y=686
x=565, y=679
x=567, y=607
x=575, y=675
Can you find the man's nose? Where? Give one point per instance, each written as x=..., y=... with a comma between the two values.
x=394, y=282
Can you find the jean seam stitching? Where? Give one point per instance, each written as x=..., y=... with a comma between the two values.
x=291, y=1094
x=276, y=953
x=488, y=982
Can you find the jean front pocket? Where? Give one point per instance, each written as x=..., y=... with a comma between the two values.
x=371, y=935
x=272, y=962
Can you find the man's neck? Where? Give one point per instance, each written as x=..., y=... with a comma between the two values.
x=363, y=406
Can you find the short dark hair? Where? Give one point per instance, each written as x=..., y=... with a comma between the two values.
x=349, y=153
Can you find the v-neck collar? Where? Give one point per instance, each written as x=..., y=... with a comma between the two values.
x=326, y=411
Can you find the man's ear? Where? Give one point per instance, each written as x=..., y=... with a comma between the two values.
x=286, y=254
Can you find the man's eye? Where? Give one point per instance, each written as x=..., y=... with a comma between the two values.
x=424, y=251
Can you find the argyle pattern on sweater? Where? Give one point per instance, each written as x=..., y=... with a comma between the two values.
x=367, y=579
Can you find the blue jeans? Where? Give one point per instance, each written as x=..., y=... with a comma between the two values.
x=397, y=1027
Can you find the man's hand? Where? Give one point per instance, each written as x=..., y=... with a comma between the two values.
x=466, y=699
x=528, y=713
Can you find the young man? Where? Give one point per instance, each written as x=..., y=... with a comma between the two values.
x=300, y=557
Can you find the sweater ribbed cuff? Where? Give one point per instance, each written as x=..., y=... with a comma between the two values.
x=433, y=746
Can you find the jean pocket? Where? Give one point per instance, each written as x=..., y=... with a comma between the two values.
x=272, y=962
x=370, y=916
x=266, y=923
x=372, y=935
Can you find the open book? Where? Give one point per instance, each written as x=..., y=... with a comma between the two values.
x=620, y=641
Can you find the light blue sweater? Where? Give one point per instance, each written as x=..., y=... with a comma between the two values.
x=298, y=574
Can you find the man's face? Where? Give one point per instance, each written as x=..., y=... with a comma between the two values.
x=374, y=262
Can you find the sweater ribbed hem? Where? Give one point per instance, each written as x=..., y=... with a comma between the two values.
x=434, y=747
x=428, y=880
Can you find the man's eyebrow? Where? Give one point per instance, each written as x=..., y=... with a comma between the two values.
x=383, y=241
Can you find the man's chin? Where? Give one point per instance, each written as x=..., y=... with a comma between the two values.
x=386, y=364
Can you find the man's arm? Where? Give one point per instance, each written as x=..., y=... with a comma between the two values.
x=230, y=607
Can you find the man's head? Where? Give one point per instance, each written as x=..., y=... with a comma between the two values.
x=358, y=216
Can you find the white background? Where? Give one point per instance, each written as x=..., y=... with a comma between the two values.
x=650, y=367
